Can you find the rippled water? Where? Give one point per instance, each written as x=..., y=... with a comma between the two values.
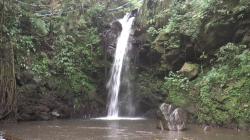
x=112, y=130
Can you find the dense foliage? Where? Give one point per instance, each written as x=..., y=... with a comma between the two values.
x=60, y=46
x=224, y=90
x=58, y=43
x=222, y=93
x=196, y=32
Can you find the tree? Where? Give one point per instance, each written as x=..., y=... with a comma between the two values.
x=7, y=69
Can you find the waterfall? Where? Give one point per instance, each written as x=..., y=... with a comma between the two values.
x=120, y=74
x=121, y=53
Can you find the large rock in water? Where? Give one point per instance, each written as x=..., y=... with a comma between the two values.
x=172, y=118
x=189, y=70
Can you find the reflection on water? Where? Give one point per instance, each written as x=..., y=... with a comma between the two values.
x=1, y=136
x=113, y=133
x=112, y=130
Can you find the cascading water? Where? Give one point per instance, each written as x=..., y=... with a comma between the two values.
x=116, y=71
x=120, y=72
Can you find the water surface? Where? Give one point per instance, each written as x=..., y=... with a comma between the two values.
x=112, y=130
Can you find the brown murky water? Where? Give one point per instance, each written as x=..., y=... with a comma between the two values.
x=112, y=130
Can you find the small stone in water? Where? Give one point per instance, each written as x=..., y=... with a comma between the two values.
x=55, y=113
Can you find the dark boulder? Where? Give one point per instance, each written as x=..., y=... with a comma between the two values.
x=110, y=36
x=116, y=27
x=25, y=77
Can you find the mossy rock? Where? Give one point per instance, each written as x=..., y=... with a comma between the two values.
x=159, y=43
x=165, y=42
x=189, y=70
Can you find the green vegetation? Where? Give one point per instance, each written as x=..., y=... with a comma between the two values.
x=224, y=90
x=58, y=43
x=197, y=30
x=177, y=88
x=190, y=19
x=61, y=44
x=221, y=94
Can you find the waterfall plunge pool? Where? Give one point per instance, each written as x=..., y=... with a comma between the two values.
x=112, y=130
x=119, y=118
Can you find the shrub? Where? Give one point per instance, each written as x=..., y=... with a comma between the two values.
x=177, y=89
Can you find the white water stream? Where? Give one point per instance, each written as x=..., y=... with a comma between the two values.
x=120, y=61
x=116, y=71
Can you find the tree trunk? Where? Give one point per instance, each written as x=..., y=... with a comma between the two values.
x=7, y=82
x=7, y=72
